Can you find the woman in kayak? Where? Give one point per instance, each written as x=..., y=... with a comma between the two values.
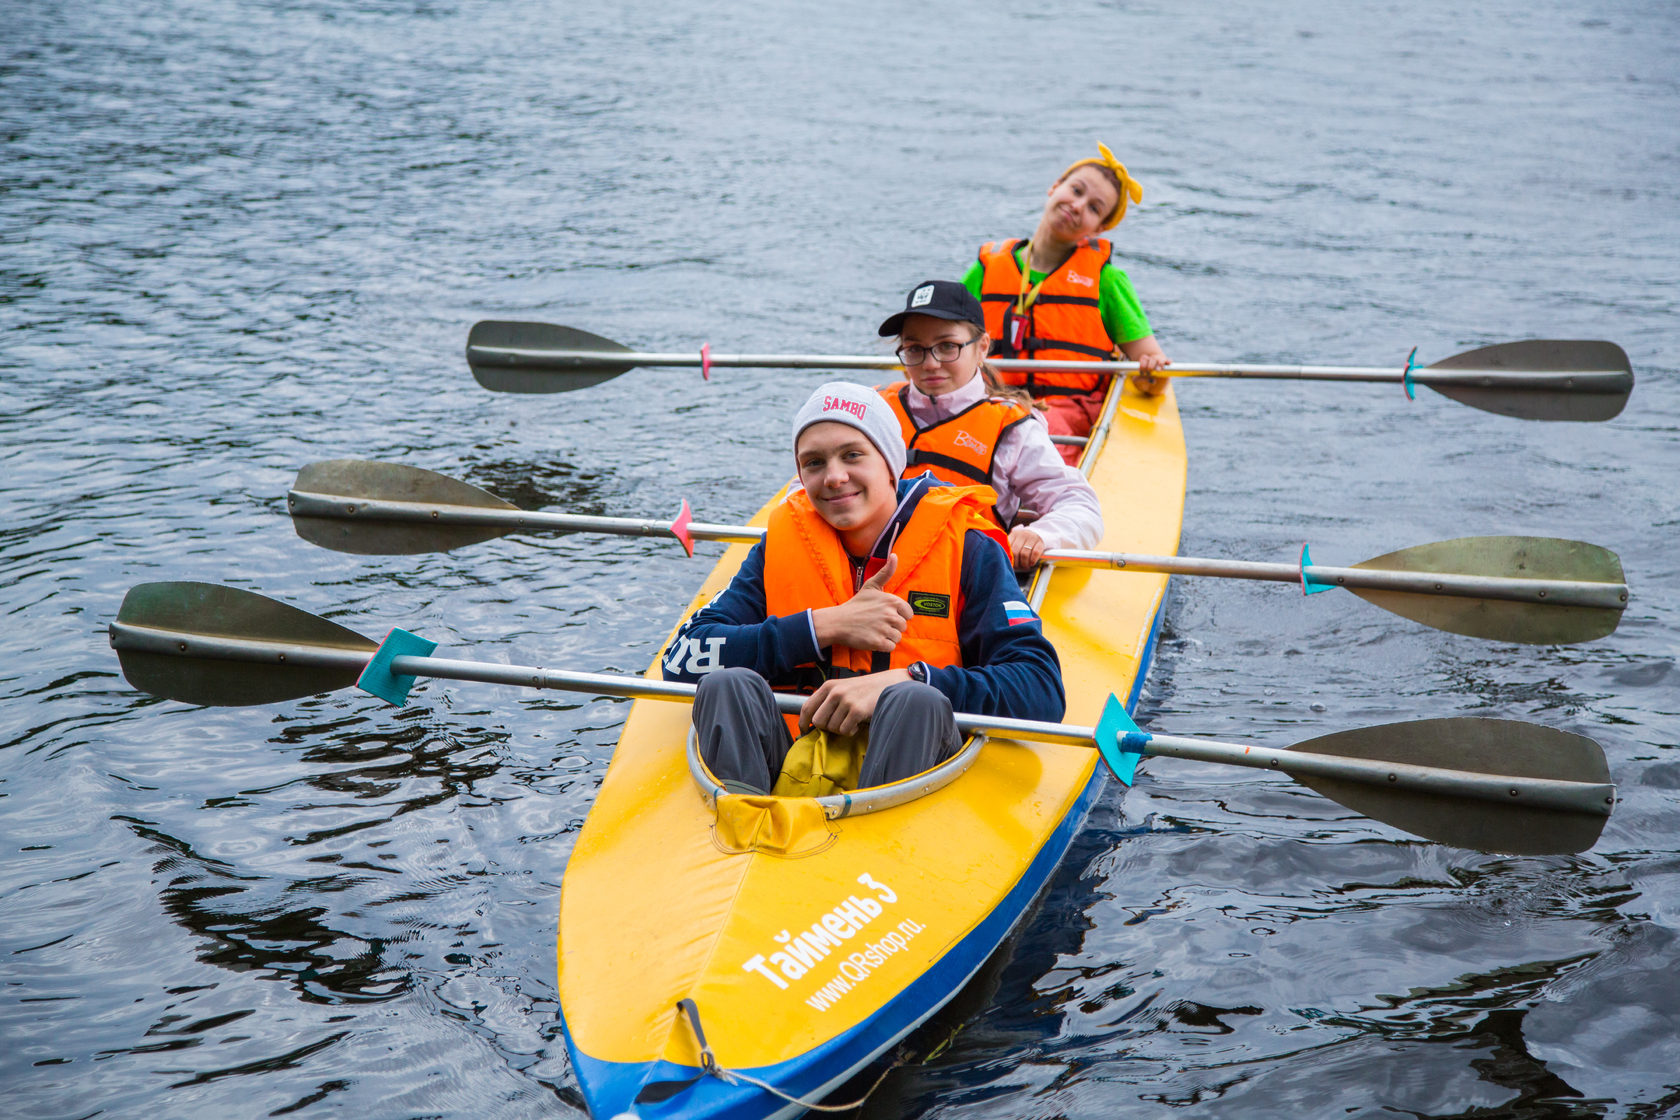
x=888, y=601
x=968, y=429
x=1057, y=295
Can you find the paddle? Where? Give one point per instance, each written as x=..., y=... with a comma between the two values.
x=1498, y=785
x=1513, y=589
x=1536, y=379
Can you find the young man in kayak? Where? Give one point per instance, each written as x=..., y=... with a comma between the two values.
x=968, y=429
x=889, y=601
x=1057, y=295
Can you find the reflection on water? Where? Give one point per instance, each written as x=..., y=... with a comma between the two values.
x=238, y=239
x=558, y=486
x=246, y=925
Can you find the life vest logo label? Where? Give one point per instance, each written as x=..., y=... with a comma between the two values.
x=922, y=296
x=930, y=603
x=1076, y=278
x=963, y=439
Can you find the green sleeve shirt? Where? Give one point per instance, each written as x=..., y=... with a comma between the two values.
x=1117, y=303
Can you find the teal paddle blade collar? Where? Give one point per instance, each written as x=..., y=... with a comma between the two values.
x=1309, y=585
x=378, y=679
x=1119, y=741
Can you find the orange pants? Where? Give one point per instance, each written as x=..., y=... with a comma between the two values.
x=1072, y=416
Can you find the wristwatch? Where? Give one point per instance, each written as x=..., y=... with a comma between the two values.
x=918, y=671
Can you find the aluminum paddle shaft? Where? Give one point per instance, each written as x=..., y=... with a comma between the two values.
x=1595, y=798
x=1535, y=379
x=304, y=504
x=1524, y=589
x=1562, y=593
x=207, y=644
x=1556, y=592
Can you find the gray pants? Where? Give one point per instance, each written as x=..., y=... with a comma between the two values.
x=744, y=741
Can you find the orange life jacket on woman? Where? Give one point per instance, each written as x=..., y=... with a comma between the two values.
x=959, y=449
x=1062, y=322
x=806, y=568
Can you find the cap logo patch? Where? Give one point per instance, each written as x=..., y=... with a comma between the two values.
x=856, y=408
x=922, y=296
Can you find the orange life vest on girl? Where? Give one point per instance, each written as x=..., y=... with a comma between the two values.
x=1062, y=322
x=806, y=568
x=959, y=449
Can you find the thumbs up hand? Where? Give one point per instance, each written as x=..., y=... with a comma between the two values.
x=871, y=619
x=878, y=581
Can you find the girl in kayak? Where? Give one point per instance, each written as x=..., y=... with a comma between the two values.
x=968, y=429
x=1057, y=295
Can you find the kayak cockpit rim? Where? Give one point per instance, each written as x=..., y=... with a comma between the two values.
x=870, y=800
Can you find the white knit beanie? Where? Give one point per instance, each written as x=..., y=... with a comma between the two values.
x=861, y=407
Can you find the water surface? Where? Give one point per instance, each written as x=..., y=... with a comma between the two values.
x=236, y=238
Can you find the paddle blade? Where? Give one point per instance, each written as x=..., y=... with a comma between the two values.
x=194, y=615
x=1503, y=620
x=1598, y=395
x=357, y=480
x=1484, y=746
x=511, y=357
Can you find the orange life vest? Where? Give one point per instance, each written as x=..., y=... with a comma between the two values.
x=959, y=449
x=806, y=567
x=1062, y=322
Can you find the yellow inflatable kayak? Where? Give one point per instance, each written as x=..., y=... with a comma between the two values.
x=730, y=956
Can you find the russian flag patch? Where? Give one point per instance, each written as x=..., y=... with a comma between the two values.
x=1017, y=612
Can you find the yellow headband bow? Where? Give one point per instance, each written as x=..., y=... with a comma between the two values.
x=1129, y=187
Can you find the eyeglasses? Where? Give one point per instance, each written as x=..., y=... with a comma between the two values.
x=941, y=351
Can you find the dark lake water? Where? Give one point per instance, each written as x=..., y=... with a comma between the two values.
x=239, y=237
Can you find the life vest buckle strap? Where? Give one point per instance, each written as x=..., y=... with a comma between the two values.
x=978, y=474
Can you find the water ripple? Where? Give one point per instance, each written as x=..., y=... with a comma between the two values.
x=239, y=238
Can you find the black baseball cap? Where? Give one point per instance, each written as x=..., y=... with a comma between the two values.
x=942, y=299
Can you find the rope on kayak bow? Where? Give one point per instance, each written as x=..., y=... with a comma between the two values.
x=709, y=1064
